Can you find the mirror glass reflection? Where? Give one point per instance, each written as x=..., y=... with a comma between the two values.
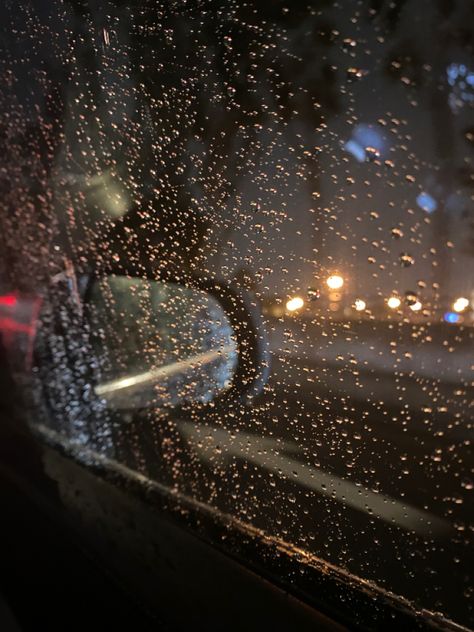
x=159, y=344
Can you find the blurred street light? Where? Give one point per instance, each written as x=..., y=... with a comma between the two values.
x=416, y=306
x=452, y=317
x=335, y=282
x=394, y=302
x=294, y=304
x=460, y=304
x=360, y=304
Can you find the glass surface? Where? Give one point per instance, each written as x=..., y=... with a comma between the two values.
x=158, y=344
x=319, y=154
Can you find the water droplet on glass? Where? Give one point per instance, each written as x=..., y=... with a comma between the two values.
x=406, y=260
x=313, y=293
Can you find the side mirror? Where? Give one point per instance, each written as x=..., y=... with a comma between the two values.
x=167, y=339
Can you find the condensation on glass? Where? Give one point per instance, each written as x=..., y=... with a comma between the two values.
x=316, y=155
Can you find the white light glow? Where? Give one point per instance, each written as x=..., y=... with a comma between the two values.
x=460, y=304
x=294, y=304
x=394, y=302
x=335, y=282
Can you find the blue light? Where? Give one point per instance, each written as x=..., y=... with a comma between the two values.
x=427, y=202
x=452, y=317
x=356, y=150
x=369, y=136
x=461, y=80
x=452, y=72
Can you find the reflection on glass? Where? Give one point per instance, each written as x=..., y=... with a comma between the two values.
x=161, y=345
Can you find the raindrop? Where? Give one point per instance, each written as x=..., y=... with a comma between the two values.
x=313, y=294
x=406, y=260
x=355, y=73
x=411, y=297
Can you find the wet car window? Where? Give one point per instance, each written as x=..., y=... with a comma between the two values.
x=314, y=157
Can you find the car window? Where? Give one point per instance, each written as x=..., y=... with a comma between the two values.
x=316, y=157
